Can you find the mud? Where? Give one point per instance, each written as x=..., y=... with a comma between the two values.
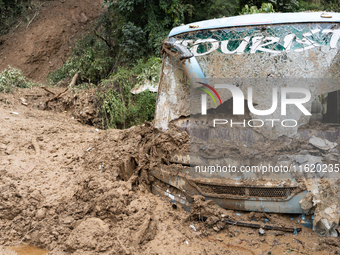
x=47, y=42
x=26, y=250
x=68, y=187
x=6, y=251
x=77, y=104
x=71, y=189
x=317, y=125
x=218, y=148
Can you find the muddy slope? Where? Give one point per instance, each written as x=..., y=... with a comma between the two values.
x=61, y=188
x=46, y=43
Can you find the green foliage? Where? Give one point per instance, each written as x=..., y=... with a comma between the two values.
x=265, y=8
x=11, y=11
x=153, y=19
x=278, y=5
x=133, y=41
x=119, y=54
x=251, y=10
x=217, y=9
x=137, y=109
x=12, y=78
x=148, y=70
x=112, y=43
x=8, y=11
x=291, y=5
x=121, y=109
x=308, y=6
x=91, y=59
x=331, y=5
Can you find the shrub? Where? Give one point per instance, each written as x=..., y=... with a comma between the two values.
x=13, y=11
x=265, y=8
x=90, y=58
x=331, y=5
x=119, y=108
x=133, y=42
x=12, y=78
x=111, y=43
x=148, y=70
x=152, y=18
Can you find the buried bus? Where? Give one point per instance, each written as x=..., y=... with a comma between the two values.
x=259, y=96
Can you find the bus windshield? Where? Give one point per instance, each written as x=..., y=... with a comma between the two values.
x=307, y=50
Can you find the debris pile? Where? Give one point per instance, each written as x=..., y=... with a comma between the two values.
x=58, y=195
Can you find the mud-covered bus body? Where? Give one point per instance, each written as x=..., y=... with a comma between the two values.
x=303, y=47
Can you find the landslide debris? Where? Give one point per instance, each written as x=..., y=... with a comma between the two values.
x=73, y=189
x=46, y=43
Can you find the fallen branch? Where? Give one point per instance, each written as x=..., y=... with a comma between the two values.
x=56, y=97
x=74, y=79
x=44, y=88
x=31, y=20
x=36, y=146
x=18, y=25
x=267, y=227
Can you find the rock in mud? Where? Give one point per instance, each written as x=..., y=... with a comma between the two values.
x=322, y=144
x=307, y=202
x=85, y=235
x=41, y=213
x=326, y=200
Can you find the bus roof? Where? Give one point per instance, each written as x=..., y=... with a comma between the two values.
x=258, y=19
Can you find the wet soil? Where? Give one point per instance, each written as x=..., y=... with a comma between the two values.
x=70, y=188
x=27, y=250
x=47, y=42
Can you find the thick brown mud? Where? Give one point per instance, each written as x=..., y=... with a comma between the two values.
x=70, y=188
x=27, y=250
